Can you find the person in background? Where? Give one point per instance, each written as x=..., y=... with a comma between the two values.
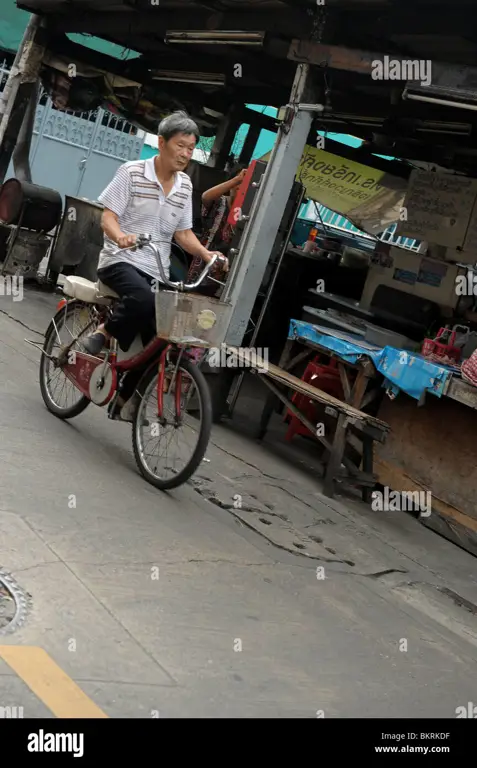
x=216, y=205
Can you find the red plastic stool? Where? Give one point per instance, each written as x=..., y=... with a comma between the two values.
x=322, y=376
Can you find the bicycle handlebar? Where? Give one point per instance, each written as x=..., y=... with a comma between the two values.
x=142, y=240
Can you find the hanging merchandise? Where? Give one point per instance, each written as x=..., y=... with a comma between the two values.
x=468, y=369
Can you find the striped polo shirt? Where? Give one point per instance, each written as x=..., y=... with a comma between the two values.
x=136, y=196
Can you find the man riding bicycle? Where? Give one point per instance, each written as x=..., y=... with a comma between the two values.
x=153, y=196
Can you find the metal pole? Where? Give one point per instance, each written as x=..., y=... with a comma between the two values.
x=268, y=209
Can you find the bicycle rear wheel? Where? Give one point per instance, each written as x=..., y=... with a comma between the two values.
x=77, y=319
x=148, y=431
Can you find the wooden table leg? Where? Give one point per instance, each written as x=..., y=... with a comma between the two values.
x=293, y=362
x=345, y=382
x=268, y=408
x=359, y=389
x=272, y=401
x=366, y=493
x=336, y=457
x=286, y=354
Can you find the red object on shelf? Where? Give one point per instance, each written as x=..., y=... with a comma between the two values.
x=438, y=349
x=235, y=210
x=324, y=377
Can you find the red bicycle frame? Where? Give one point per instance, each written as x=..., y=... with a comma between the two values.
x=79, y=371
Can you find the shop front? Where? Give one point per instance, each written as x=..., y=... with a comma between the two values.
x=392, y=333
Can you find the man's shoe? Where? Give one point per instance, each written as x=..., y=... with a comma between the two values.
x=94, y=344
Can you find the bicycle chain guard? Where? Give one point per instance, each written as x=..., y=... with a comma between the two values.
x=95, y=379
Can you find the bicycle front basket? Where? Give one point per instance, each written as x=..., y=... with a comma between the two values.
x=192, y=319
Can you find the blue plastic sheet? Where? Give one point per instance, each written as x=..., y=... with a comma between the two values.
x=403, y=371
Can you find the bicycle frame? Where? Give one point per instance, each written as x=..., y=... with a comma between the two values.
x=80, y=370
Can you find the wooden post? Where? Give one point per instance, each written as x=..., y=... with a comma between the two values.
x=250, y=144
x=224, y=138
x=18, y=89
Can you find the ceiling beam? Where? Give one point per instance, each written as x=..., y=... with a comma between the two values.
x=211, y=5
x=399, y=126
x=273, y=97
x=361, y=62
x=432, y=133
x=160, y=20
x=393, y=20
x=365, y=157
x=65, y=6
x=252, y=117
x=354, y=101
x=448, y=156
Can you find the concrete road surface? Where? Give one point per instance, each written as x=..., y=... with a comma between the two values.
x=146, y=604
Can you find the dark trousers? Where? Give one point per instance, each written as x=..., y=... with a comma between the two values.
x=135, y=313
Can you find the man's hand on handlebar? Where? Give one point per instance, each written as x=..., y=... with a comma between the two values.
x=224, y=262
x=127, y=241
x=210, y=257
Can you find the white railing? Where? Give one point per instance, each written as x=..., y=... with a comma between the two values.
x=107, y=118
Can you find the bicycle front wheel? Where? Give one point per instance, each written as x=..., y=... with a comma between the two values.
x=155, y=439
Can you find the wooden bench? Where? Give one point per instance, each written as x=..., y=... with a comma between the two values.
x=350, y=422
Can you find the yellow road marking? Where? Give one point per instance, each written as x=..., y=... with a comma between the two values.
x=48, y=681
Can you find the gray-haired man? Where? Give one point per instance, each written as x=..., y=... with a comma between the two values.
x=145, y=196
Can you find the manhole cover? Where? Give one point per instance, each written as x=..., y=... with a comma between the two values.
x=14, y=603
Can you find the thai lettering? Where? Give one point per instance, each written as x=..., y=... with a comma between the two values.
x=342, y=172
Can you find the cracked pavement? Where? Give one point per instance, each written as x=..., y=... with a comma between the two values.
x=155, y=589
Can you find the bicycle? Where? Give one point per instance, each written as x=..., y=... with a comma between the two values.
x=183, y=321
